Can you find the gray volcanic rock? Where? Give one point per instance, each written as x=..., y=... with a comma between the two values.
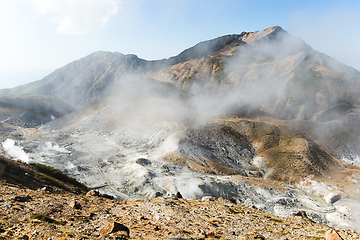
x=31, y=110
x=46, y=105
x=220, y=143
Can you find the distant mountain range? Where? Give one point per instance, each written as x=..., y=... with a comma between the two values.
x=270, y=70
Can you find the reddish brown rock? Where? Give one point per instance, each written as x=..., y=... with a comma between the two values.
x=75, y=205
x=114, y=227
x=210, y=234
x=332, y=235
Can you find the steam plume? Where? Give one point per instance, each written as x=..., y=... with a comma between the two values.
x=14, y=151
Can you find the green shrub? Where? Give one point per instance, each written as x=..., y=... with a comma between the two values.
x=57, y=174
x=45, y=218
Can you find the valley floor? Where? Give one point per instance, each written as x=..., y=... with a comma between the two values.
x=159, y=218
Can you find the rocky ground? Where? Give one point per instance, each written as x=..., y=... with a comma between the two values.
x=50, y=213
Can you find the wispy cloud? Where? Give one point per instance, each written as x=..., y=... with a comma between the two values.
x=76, y=17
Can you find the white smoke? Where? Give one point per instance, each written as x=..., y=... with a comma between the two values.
x=14, y=151
x=52, y=147
x=318, y=188
x=187, y=185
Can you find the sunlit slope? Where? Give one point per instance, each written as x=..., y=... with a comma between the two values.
x=269, y=70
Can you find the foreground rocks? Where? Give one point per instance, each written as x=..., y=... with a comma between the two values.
x=114, y=227
x=47, y=215
x=332, y=235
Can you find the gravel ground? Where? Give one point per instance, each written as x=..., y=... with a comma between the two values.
x=159, y=218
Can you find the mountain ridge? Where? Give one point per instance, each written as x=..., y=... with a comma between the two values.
x=113, y=65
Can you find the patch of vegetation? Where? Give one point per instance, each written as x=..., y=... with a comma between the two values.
x=70, y=234
x=276, y=220
x=192, y=75
x=244, y=121
x=47, y=219
x=49, y=180
x=186, y=231
x=220, y=73
x=255, y=236
x=173, y=76
x=315, y=238
x=57, y=174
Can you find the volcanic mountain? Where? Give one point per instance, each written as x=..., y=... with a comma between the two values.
x=289, y=79
x=258, y=117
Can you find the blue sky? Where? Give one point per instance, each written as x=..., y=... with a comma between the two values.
x=39, y=36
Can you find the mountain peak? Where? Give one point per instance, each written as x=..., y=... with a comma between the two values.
x=210, y=46
x=206, y=47
x=251, y=37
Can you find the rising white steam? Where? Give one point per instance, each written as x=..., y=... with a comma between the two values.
x=15, y=152
x=77, y=16
x=52, y=146
x=187, y=185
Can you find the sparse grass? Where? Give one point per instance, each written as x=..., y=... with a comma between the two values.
x=67, y=233
x=255, y=236
x=49, y=180
x=276, y=220
x=186, y=231
x=57, y=174
x=220, y=73
x=47, y=219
